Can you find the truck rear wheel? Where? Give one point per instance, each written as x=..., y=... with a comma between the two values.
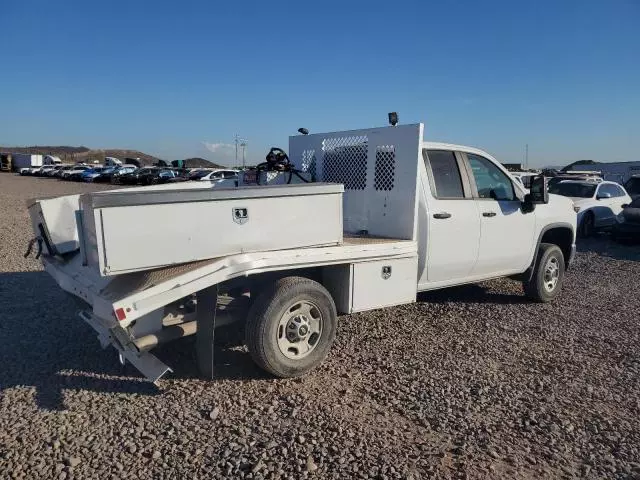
x=546, y=282
x=291, y=326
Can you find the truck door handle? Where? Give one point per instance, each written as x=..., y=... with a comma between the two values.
x=442, y=215
x=488, y=214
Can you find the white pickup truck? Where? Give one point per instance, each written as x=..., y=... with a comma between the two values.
x=390, y=215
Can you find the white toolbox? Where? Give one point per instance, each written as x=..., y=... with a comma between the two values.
x=125, y=231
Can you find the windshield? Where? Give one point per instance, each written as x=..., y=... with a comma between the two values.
x=573, y=190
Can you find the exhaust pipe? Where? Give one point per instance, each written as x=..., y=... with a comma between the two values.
x=174, y=332
x=167, y=334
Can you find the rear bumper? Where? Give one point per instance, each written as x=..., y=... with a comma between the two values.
x=146, y=363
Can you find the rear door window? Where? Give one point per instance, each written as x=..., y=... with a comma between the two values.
x=445, y=174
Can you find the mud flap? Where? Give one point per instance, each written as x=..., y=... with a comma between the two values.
x=206, y=318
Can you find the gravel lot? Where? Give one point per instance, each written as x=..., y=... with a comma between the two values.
x=473, y=382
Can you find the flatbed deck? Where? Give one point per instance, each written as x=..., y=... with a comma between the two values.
x=140, y=293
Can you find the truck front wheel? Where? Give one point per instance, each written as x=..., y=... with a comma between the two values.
x=546, y=282
x=291, y=326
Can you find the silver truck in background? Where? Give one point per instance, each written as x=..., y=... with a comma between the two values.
x=376, y=216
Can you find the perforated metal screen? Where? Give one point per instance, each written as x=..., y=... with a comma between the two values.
x=309, y=163
x=345, y=161
x=385, y=172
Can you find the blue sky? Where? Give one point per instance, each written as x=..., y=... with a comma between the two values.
x=169, y=77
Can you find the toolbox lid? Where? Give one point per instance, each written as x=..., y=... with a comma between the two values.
x=122, y=198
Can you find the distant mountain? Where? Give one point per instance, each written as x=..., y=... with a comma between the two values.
x=197, y=162
x=58, y=151
x=579, y=162
x=91, y=155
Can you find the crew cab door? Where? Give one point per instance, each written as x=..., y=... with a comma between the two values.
x=453, y=225
x=506, y=232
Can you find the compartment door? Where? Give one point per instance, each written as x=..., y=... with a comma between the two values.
x=383, y=283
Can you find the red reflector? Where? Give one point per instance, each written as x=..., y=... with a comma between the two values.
x=120, y=315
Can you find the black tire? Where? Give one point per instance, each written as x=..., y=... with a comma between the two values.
x=263, y=325
x=587, y=226
x=537, y=288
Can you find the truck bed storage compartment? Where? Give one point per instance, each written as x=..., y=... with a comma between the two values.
x=383, y=283
x=131, y=231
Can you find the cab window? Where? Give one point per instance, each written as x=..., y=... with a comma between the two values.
x=444, y=173
x=491, y=182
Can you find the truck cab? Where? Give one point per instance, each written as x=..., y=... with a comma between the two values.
x=473, y=225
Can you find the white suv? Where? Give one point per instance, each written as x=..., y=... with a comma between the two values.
x=597, y=204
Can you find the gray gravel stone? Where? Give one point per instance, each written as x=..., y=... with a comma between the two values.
x=469, y=382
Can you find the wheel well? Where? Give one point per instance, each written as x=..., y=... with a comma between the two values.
x=333, y=277
x=563, y=238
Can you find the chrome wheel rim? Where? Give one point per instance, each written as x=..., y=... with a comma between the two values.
x=299, y=330
x=551, y=274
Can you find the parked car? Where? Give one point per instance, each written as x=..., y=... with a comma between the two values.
x=111, y=172
x=62, y=170
x=132, y=178
x=164, y=175
x=597, y=204
x=222, y=178
x=633, y=186
x=105, y=175
x=91, y=173
x=179, y=175
x=54, y=170
x=563, y=178
x=74, y=172
x=524, y=178
x=628, y=224
x=198, y=173
x=42, y=172
x=34, y=171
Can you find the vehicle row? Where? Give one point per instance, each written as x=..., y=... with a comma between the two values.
x=132, y=175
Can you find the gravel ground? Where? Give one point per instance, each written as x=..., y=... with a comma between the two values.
x=473, y=382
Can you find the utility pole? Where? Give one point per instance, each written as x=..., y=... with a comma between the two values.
x=526, y=156
x=239, y=142
x=236, y=138
x=244, y=147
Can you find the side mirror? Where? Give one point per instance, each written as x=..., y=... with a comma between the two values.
x=603, y=195
x=539, y=193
